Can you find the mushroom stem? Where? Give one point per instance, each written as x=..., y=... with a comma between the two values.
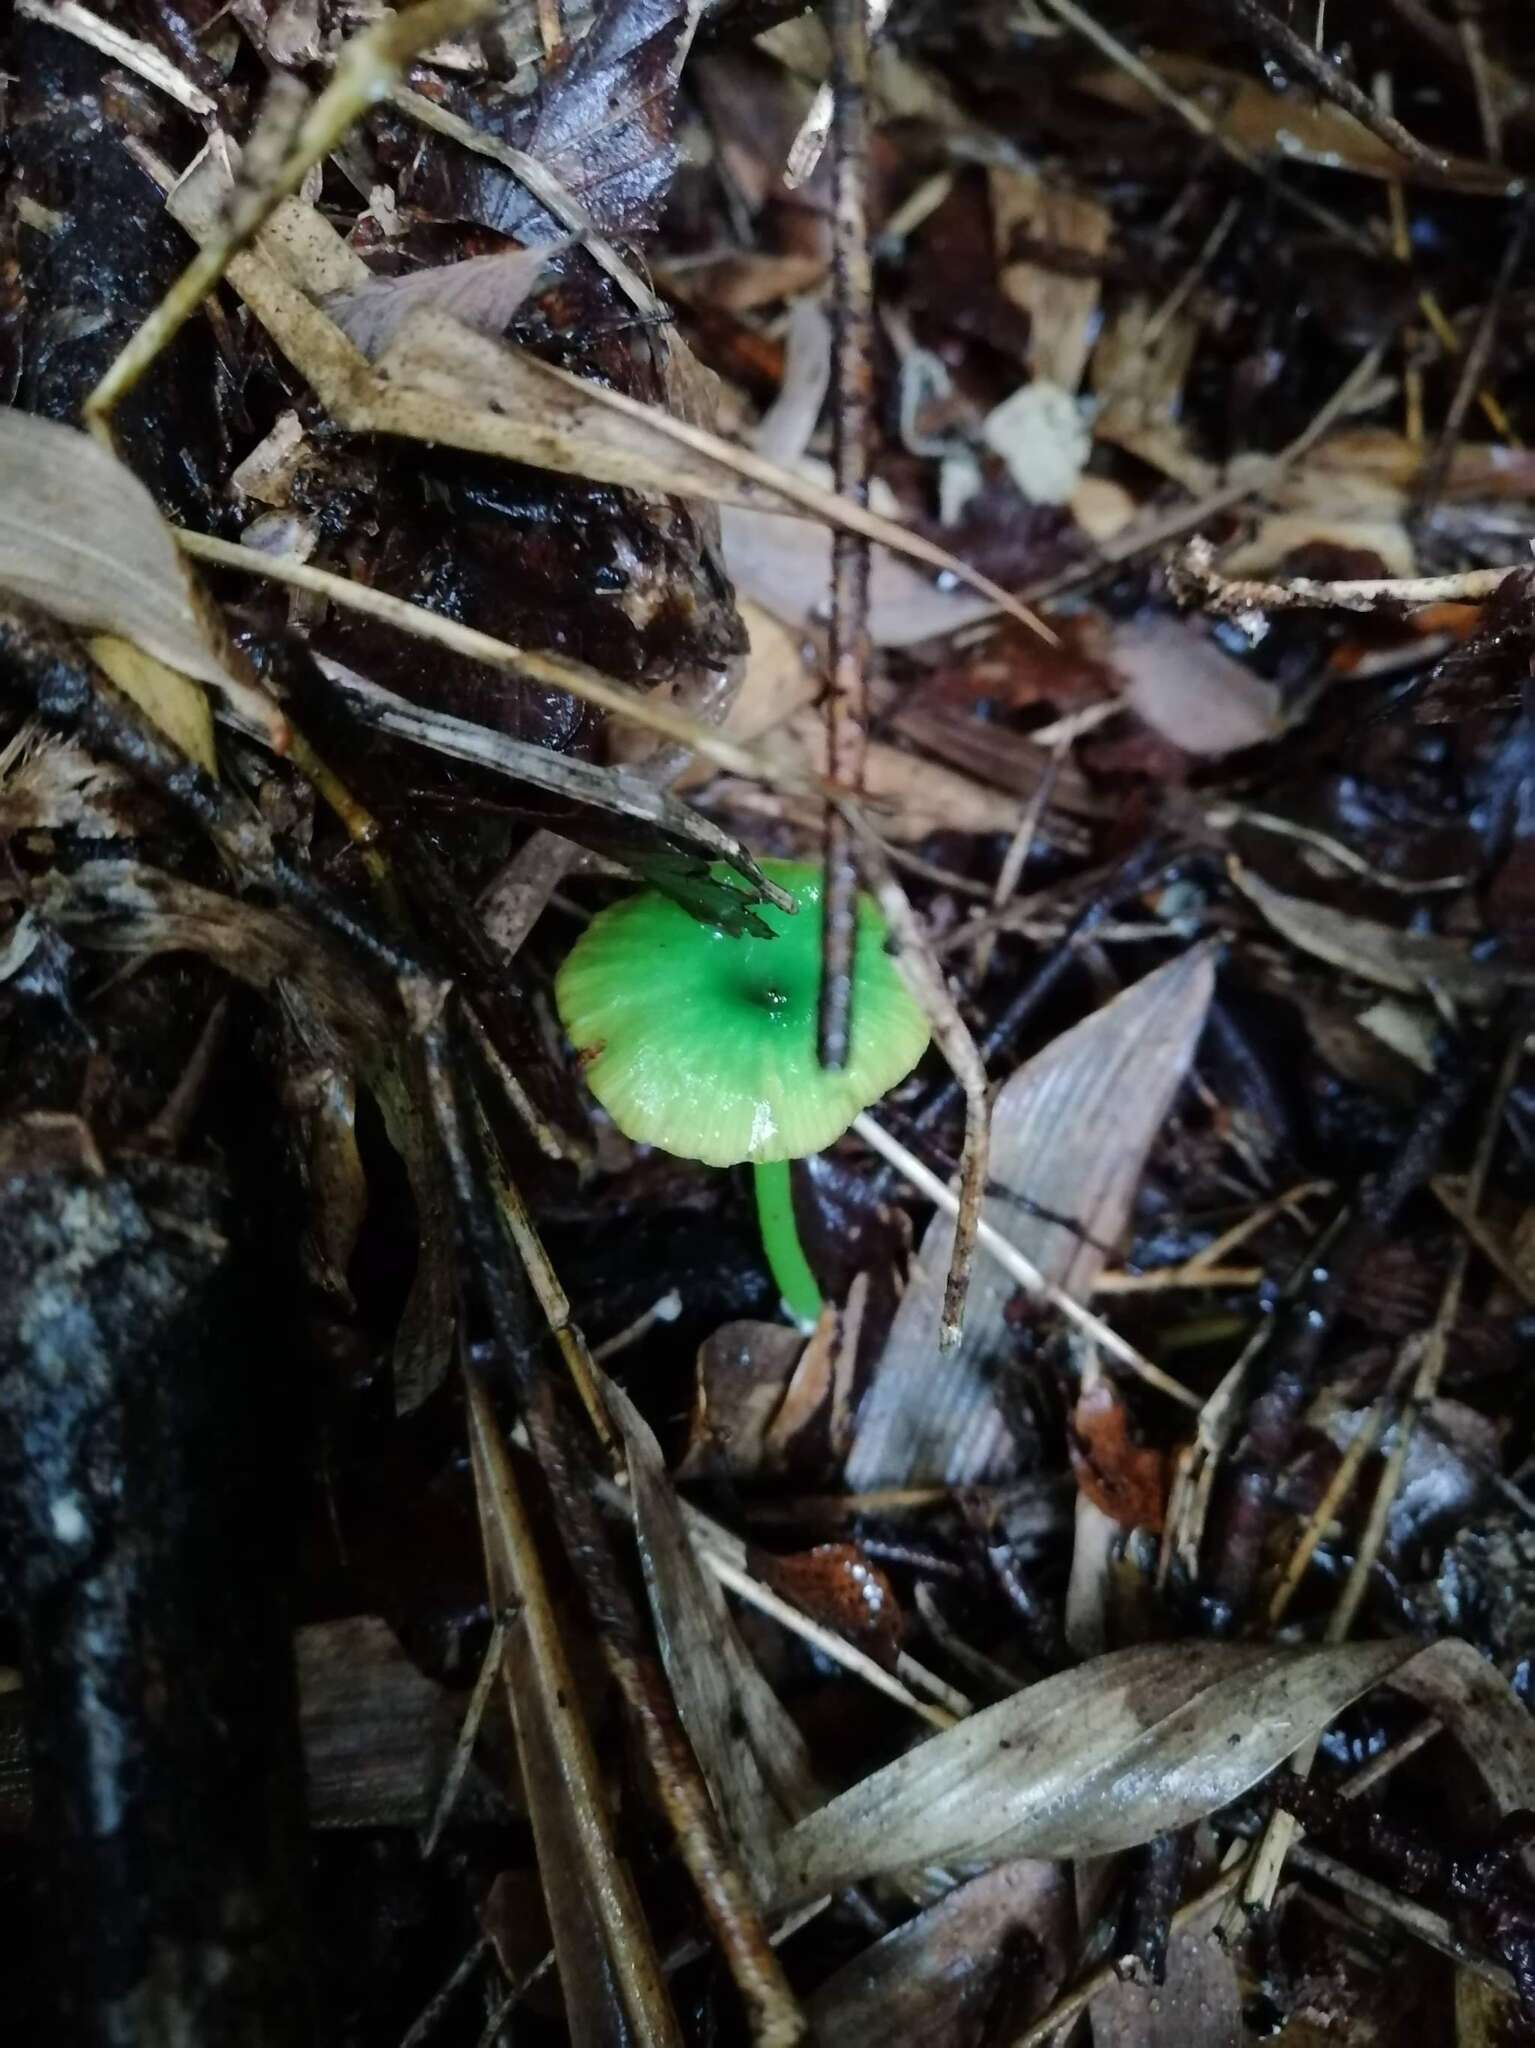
x=780, y=1239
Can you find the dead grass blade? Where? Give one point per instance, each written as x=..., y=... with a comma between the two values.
x=607, y=1962
x=82, y=539
x=449, y=385
x=1097, y=1759
x=614, y=792
x=1069, y=1132
x=555, y=670
x=751, y=1753
x=1412, y=963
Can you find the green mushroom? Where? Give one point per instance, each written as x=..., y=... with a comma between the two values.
x=705, y=1045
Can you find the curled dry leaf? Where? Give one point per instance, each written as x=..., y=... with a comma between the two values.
x=939, y=1978
x=1098, y=1759
x=1070, y=1132
x=1480, y=1709
x=743, y=1374
x=482, y=291
x=1409, y=962
x=82, y=539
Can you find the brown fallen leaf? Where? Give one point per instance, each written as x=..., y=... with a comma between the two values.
x=1198, y=2005
x=742, y=1373
x=601, y=121
x=1062, y=307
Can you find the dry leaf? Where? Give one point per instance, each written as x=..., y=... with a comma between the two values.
x=1479, y=1707
x=1070, y=1131
x=378, y=1735
x=1412, y=963
x=1279, y=535
x=742, y=1372
x=936, y=1980
x=602, y=123
x=1062, y=308
x=1097, y=1759
x=82, y=539
x=785, y=566
x=1189, y=691
x=482, y=291
x=1199, y=2005
x=447, y=384
x=440, y=382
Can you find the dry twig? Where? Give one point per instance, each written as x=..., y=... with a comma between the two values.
x=1333, y=83
x=847, y=701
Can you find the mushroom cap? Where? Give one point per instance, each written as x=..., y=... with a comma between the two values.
x=705, y=1045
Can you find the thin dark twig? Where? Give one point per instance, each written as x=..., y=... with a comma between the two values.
x=847, y=711
x=1473, y=368
x=1333, y=83
x=1206, y=125
x=468, y=1735
x=1291, y=1359
x=1130, y=876
x=435, y=2010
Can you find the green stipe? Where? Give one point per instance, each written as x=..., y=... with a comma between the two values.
x=780, y=1240
x=704, y=1044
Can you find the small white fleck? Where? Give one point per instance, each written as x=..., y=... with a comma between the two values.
x=69, y=1524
